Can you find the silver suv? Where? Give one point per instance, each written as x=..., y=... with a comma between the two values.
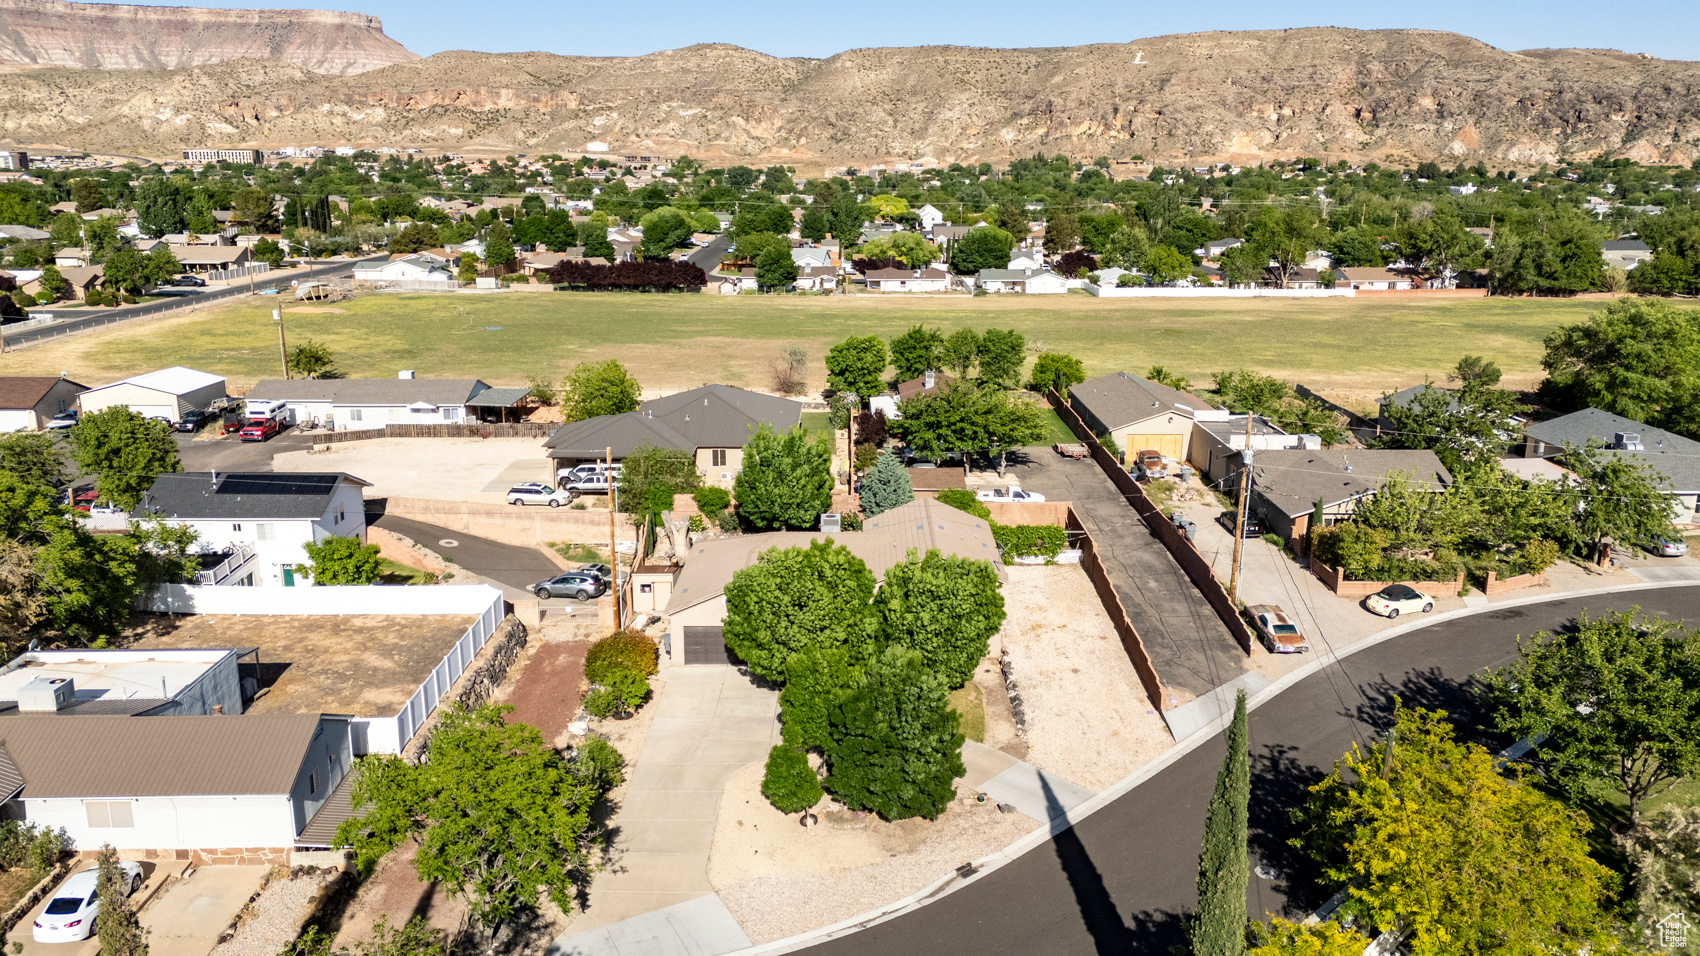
x=538, y=493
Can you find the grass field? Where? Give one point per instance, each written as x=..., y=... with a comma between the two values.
x=677, y=341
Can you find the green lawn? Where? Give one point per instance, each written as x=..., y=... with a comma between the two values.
x=1055, y=430
x=677, y=341
x=577, y=553
x=394, y=572
x=970, y=705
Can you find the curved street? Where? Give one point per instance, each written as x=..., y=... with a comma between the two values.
x=1120, y=880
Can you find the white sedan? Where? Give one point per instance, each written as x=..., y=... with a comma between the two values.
x=69, y=916
x=1391, y=601
x=1011, y=494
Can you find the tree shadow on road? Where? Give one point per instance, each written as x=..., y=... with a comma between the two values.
x=1098, y=911
x=1279, y=784
x=1464, y=701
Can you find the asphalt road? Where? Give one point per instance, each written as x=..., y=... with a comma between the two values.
x=1189, y=645
x=1119, y=882
x=85, y=318
x=508, y=564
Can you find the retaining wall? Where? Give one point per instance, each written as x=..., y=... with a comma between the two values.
x=1335, y=580
x=529, y=525
x=1495, y=585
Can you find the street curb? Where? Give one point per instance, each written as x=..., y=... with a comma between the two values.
x=979, y=868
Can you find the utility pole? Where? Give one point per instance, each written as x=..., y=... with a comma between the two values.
x=282, y=353
x=613, y=536
x=1240, y=513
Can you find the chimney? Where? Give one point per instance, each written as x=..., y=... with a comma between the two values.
x=405, y=373
x=930, y=378
x=218, y=710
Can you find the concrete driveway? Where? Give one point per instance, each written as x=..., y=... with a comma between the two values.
x=1189, y=645
x=156, y=877
x=231, y=454
x=456, y=469
x=187, y=918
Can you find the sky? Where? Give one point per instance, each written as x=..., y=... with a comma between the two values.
x=1663, y=28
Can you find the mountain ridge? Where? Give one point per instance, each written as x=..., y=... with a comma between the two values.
x=1386, y=95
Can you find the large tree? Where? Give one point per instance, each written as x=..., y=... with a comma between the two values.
x=886, y=485
x=35, y=457
x=1473, y=424
x=1617, y=698
x=1056, y=370
x=415, y=237
x=1639, y=358
x=798, y=599
x=945, y=608
x=857, y=365
x=1001, y=354
x=1621, y=497
x=162, y=205
x=775, y=268
x=985, y=247
x=599, y=388
x=916, y=351
x=501, y=819
x=895, y=741
x=785, y=481
x=342, y=559
x=651, y=476
x=965, y=418
x=1217, y=927
x=124, y=451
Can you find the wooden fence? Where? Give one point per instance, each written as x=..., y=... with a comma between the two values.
x=1178, y=546
x=1335, y=580
x=1131, y=642
x=491, y=430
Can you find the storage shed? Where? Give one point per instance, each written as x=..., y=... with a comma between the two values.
x=168, y=393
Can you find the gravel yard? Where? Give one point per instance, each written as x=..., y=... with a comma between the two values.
x=1087, y=715
x=270, y=923
x=456, y=469
x=848, y=864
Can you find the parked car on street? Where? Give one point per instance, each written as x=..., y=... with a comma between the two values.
x=1396, y=599
x=64, y=419
x=70, y=914
x=1253, y=527
x=191, y=421
x=1012, y=493
x=1668, y=547
x=1276, y=630
x=538, y=493
x=188, y=281
x=573, y=584
x=259, y=430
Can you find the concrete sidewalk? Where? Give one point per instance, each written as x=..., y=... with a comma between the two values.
x=710, y=720
x=1038, y=793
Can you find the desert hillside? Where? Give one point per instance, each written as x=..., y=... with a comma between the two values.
x=89, y=36
x=1389, y=95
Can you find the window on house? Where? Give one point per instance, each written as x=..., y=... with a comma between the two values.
x=104, y=814
x=236, y=527
x=313, y=783
x=265, y=532
x=451, y=414
x=354, y=415
x=717, y=457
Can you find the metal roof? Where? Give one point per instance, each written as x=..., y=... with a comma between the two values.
x=11, y=780
x=497, y=397
x=157, y=756
x=176, y=380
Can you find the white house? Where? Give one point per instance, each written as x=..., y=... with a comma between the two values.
x=351, y=404
x=1216, y=247
x=28, y=402
x=410, y=268
x=262, y=517
x=174, y=783
x=929, y=217
x=1025, y=259
x=811, y=256
x=1029, y=281
x=168, y=393
x=1373, y=279
x=908, y=280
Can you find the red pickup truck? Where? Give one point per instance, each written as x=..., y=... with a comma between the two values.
x=259, y=429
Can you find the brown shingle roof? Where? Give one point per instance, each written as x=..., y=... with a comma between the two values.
x=61, y=756
x=24, y=391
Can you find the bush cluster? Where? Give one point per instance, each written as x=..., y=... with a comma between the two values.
x=790, y=783
x=1020, y=540
x=31, y=846
x=620, y=665
x=963, y=500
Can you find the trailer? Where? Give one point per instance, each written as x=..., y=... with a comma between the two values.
x=1073, y=450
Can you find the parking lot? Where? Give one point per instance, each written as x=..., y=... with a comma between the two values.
x=1189, y=646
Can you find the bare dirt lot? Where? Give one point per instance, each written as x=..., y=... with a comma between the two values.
x=367, y=664
x=456, y=469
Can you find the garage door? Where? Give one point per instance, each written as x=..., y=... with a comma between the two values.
x=1169, y=446
x=705, y=645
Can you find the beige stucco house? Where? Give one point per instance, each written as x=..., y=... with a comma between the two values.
x=1138, y=413
x=712, y=422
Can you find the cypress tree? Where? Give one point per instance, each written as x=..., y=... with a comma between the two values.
x=1218, y=925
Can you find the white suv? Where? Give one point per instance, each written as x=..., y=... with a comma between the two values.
x=538, y=493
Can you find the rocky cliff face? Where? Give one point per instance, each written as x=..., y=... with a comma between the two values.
x=98, y=36
x=1391, y=96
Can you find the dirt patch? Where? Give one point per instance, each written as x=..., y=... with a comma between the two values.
x=849, y=863
x=1087, y=715
x=394, y=891
x=549, y=686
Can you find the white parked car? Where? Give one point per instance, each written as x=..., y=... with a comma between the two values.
x=538, y=493
x=589, y=484
x=1395, y=599
x=69, y=915
x=1013, y=493
x=566, y=476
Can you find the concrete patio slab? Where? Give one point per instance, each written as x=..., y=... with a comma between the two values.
x=697, y=927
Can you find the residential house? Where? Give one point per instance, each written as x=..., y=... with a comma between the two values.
x=29, y=402
x=271, y=515
x=1296, y=278
x=127, y=682
x=353, y=404
x=927, y=383
x=1287, y=485
x=695, y=603
x=178, y=786
x=944, y=234
x=1674, y=457
x=168, y=393
x=1625, y=254
x=1025, y=259
x=1318, y=259
x=1219, y=438
x=71, y=257
x=929, y=217
x=212, y=258
x=816, y=279
x=908, y=280
x=713, y=422
x=81, y=280
x=810, y=255
x=24, y=233
x=416, y=267
x=1028, y=281
x=1137, y=413
x=1372, y=278
x=1215, y=247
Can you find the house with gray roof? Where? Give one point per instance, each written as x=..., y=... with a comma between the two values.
x=351, y=404
x=261, y=520
x=1625, y=254
x=1138, y=414
x=1286, y=485
x=1030, y=281
x=713, y=422
x=1671, y=455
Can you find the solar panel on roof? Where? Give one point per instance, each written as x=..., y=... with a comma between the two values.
x=280, y=484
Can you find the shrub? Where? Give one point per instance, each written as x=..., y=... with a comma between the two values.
x=790, y=783
x=1021, y=540
x=46, y=846
x=601, y=702
x=697, y=525
x=963, y=500
x=850, y=521
x=14, y=843
x=711, y=500
x=728, y=520
x=626, y=651
x=598, y=765
x=1538, y=555
x=629, y=687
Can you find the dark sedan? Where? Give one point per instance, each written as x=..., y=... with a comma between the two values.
x=573, y=584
